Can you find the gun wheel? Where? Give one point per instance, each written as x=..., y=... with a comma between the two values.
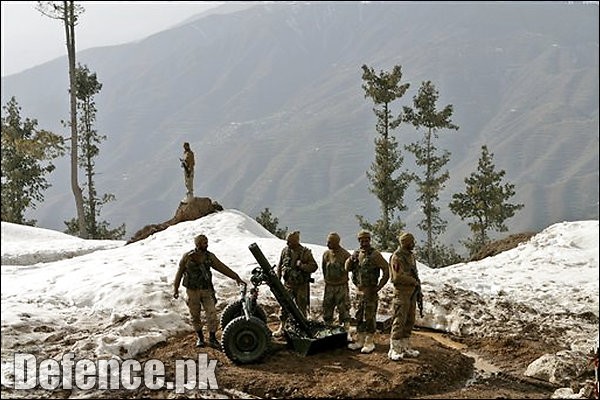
x=246, y=341
x=235, y=310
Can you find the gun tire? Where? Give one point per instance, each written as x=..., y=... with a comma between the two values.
x=246, y=341
x=235, y=310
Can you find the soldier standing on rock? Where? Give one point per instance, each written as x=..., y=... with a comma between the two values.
x=188, y=163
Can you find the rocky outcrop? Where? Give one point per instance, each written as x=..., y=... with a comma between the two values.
x=498, y=246
x=197, y=207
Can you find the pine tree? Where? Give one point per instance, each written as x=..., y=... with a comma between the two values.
x=271, y=223
x=26, y=160
x=87, y=86
x=433, y=179
x=484, y=202
x=386, y=183
x=68, y=12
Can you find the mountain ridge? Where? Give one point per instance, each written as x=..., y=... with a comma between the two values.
x=270, y=99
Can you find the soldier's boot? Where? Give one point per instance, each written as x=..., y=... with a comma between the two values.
x=358, y=343
x=200, y=339
x=213, y=342
x=368, y=346
x=347, y=329
x=408, y=351
x=396, y=350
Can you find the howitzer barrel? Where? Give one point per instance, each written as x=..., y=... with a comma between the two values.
x=279, y=290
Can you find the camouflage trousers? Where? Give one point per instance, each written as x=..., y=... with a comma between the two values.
x=335, y=296
x=366, y=311
x=196, y=301
x=404, y=306
x=189, y=183
x=300, y=296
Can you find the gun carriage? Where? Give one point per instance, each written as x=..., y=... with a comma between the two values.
x=246, y=336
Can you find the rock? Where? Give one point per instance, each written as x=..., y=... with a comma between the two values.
x=498, y=246
x=559, y=368
x=197, y=207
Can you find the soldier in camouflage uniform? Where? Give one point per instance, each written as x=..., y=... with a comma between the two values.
x=195, y=269
x=405, y=277
x=188, y=162
x=296, y=264
x=335, y=275
x=366, y=264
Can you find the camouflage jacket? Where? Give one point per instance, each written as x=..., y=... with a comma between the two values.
x=333, y=266
x=296, y=265
x=403, y=268
x=195, y=269
x=188, y=162
x=368, y=268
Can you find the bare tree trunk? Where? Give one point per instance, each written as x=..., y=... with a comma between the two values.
x=428, y=203
x=69, y=19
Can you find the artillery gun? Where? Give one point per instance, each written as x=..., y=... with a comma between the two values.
x=246, y=337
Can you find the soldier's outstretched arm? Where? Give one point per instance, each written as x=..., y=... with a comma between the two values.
x=225, y=270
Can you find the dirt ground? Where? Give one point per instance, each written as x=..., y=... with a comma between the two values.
x=447, y=368
x=440, y=372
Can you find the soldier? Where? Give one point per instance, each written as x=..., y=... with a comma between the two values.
x=188, y=163
x=405, y=277
x=366, y=264
x=194, y=267
x=295, y=266
x=335, y=295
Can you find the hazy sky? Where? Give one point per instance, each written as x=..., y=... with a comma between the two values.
x=29, y=38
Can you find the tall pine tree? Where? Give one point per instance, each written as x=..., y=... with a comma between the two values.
x=432, y=179
x=386, y=182
x=485, y=202
x=26, y=160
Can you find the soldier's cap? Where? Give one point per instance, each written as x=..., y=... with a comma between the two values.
x=199, y=238
x=293, y=236
x=363, y=234
x=405, y=237
x=334, y=236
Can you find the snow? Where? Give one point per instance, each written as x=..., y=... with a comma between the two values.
x=101, y=298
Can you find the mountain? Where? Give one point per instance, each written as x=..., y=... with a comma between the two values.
x=270, y=99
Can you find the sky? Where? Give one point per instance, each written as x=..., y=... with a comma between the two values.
x=101, y=298
x=30, y=39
